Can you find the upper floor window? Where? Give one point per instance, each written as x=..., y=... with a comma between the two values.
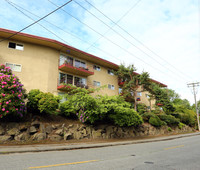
x=80, y=64
x=112, y=87
x=139, y=93
x=14, y=67
x=96, y=83
x=147, y=96
x=110, y=72
x=66, y=60
x=97, y=68
x=15, y=46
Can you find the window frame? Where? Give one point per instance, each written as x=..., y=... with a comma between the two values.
x=17, y=46
x=112, y=87
x=97, y=68
x=96, y=82
x=110, y=72
x=14, y=65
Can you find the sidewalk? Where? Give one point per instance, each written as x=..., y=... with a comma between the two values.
x=69, y=146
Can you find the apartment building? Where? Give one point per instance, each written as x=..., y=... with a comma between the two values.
x=46, y=64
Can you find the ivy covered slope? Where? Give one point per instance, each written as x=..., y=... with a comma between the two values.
x=12, y=94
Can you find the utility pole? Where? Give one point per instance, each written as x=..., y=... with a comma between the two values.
x=194, y=89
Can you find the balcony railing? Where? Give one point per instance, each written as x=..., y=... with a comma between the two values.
x=76, y=70
x=70, y=87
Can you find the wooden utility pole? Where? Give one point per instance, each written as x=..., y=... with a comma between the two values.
x=194, y=91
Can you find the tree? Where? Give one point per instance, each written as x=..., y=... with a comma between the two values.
x=131, y=82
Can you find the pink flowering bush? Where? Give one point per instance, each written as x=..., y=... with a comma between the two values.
x=12, y=94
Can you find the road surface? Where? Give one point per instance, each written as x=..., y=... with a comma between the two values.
x=183, y=154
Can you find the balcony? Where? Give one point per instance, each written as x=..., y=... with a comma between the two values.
x=75, y=70
x=69, y=87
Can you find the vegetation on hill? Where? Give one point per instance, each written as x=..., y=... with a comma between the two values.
x=79, y=104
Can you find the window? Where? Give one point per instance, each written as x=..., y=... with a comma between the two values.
x=14, y=67
x=65, y=78
x=147, y=96
x=66, y=60
x=120, y=90
x=79, y=64
x=112, y=87
x=79, y=81
x=96, y=68
x=110, y=72
x=139, y=93
x=15, y=46
x=96, y=83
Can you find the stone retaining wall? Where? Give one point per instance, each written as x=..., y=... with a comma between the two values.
x=37, y=131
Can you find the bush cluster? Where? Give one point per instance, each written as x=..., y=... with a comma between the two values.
x=39, y=102
x=91, y=109
x=12, y=94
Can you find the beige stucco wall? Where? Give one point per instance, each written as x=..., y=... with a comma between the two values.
x=144, y=98
x=39, y=65
x=104, y=78
x=40, y=70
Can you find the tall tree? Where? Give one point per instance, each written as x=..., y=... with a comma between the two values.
x=132, y=81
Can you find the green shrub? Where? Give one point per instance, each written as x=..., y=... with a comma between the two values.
x=39, y=102
x=33, y=100
x=12, y=94
x=185, y=116
x=89, y=109
x=155, y=121
x=181, y=125
x=169, y=129
x=169, y=119
x=48, y=103
x=125, y=117
x=147, y=116
x=141, y=108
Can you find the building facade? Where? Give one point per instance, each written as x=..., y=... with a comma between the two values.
x=47, y=64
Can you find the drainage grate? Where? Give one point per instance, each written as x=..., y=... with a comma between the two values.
x=132, y=155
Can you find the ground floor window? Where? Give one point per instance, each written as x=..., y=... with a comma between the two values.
x=74, y=80
x=110, y=86
x=14, y=67
x=96, y=83
x=65, y=78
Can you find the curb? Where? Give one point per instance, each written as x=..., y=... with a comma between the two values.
x=90, y=146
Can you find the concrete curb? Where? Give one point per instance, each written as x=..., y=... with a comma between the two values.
x=62, y=147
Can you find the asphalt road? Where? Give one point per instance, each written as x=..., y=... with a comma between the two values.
x=183, y=154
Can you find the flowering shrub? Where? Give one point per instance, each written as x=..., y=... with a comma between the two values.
x=12, y=94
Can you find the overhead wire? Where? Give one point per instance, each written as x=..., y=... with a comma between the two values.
x=17, y=7
x=120, y=34
x=110, y=40
x=126, y=13
x=116, y=24
x=35, y=21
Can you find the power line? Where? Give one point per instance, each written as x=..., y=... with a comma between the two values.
x=135, y=4
x=15, y=6
x=35, y=21
x=115, y=23
x=112, y=41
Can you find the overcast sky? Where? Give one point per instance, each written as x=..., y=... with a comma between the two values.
x=161, y=37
